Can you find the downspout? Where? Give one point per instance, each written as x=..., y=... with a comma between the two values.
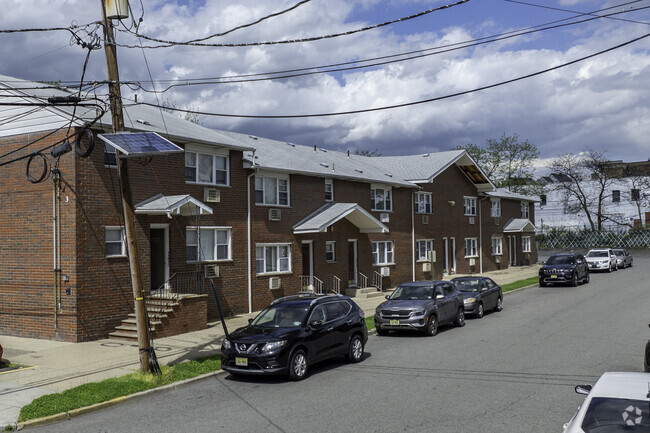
x=250, y=238
x=413, y=234
x=480, y=235
x=56, y=210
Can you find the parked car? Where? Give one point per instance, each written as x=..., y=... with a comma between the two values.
x=646, y=363
x=601, y=259
x=293, y=333
x=422, y=306
x=623, y=258
x=618, y=402
x=564, y=269
x=479, y=294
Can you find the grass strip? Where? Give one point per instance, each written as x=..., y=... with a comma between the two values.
x=519, y=284
x=98, y=392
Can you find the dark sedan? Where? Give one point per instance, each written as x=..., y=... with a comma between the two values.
x=479, y=294
x=564, y=269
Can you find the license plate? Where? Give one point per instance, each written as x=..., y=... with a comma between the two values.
x=394, y=322
x=241, y=362
x=553, y=276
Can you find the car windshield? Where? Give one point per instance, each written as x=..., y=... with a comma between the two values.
x=472, y=285
x=412, y=292
x=560, y=260
x=619, y=252
x=616, y=415
x=597, y=254
x=287, y=315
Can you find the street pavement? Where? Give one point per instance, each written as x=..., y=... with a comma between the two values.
x=55, y=366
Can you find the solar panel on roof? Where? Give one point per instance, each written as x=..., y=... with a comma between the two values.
x=140, y=143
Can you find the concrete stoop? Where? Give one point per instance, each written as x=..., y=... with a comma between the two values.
x=128, y=330
x=366, y=292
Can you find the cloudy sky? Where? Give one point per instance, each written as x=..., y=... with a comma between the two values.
x=602, y=102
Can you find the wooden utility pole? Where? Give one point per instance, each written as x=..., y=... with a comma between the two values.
x=115, y=99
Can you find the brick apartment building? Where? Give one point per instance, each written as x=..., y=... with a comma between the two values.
x=264, y=218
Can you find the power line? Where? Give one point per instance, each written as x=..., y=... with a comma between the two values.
x=574, y=12
x=424, y=101
x=167, y=44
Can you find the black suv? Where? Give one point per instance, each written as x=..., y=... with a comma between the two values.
x=564, y=268
x=293, y=333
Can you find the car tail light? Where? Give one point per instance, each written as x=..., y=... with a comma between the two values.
x=362, y=314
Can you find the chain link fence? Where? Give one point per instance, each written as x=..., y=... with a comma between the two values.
x=555, y=238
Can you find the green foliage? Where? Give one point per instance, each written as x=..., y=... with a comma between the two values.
x=519, y=284
x=370, y=322
x=370, y=153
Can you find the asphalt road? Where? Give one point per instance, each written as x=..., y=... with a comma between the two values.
x=512, y=371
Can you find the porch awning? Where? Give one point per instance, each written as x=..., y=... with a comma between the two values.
x=183, y=205
x=330, y=213
x=518, y=225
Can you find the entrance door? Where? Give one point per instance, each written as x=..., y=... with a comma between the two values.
x=158, y=254
x=352, y=263
x=453, y=255
x=512, y=251
x=308, y=264
x=446, y=243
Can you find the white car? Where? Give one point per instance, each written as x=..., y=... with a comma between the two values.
x=601, y=259
x=618, y=402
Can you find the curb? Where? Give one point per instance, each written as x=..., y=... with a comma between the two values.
x=105, y=404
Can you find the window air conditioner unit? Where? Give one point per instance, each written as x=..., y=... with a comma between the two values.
x=426, y=267
x=497, y=221
x=497, y=259
x=471, y=220
x=274, y=283
x=212, y=195
x=472, y=262
x=385, y=271
x=275, y=214
x=384, y=217
x=425, y=219
x=211, y=271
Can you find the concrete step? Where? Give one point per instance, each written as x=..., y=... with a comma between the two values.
x=363, y=292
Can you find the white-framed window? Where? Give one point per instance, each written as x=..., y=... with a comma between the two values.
x=207, y=168
x=525, y=212
x=469, y=206
x=495, y=207
x=421, y=248
x=616, y=196
x=110, y=157
x=272, y=258
x=423, y=202
x=525, y=244
x=115, y=245
x=329, y=190
x=330, y=251
x=381, y=198
x=382, y=253
x=271, y=190
x=208, y=244
x=635, y=194
x=497, y=246
x=471, y=247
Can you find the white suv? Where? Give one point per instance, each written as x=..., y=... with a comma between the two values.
x=601, y=259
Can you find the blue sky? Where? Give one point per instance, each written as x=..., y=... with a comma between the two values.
x=601, y=103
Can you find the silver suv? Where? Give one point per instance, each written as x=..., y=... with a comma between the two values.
x=601, y=259
x=421, y=305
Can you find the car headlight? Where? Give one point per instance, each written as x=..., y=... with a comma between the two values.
x=418, y=313
x=226, y=344
x=469, y=300
x=273, y=346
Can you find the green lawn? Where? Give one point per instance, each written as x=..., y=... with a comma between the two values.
x=519, y=284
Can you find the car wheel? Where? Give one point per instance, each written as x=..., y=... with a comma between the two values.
x=381, y=331
x=542, y=283
x=587, y=277
x=460, y=318
x=610, y=268
x=499, y=306
x=432, y=326
x=647, y=357
x=479, y=310
x=574, y=280
x=355, y=351
x=298, y=365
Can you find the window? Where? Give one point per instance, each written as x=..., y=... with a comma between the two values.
x=421, y=248
x=206, y=168
x=329, y=190
x=524, y=210
x=497, y=246
x=207, y=244
x=273, y=258
x=381, y=199
x=525, y=244
x=635, y=195
x=495, y=207
x=110, y=157
x=542, y=199
x=423, y=202
x=271, y=190
x=382, y=253
x=470, y=206
x=330, y=251
x=471, y=249
x=616, y=196
x=115, y=246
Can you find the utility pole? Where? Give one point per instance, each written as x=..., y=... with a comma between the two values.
x=115, y=99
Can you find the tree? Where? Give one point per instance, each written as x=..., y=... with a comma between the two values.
x=367, y=152
x=583, y=180
x=169, y=106
x=508, y=162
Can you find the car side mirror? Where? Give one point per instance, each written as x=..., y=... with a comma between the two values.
x=387, y=296
x=583, y=389
x=315, y=323
x=250, y=321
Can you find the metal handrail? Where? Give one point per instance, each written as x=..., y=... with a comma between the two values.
x=362, y=281
x=377, y=281
x=334, y=283
x=311, y=283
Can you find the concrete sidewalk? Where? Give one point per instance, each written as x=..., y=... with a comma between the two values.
x=54, y=366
